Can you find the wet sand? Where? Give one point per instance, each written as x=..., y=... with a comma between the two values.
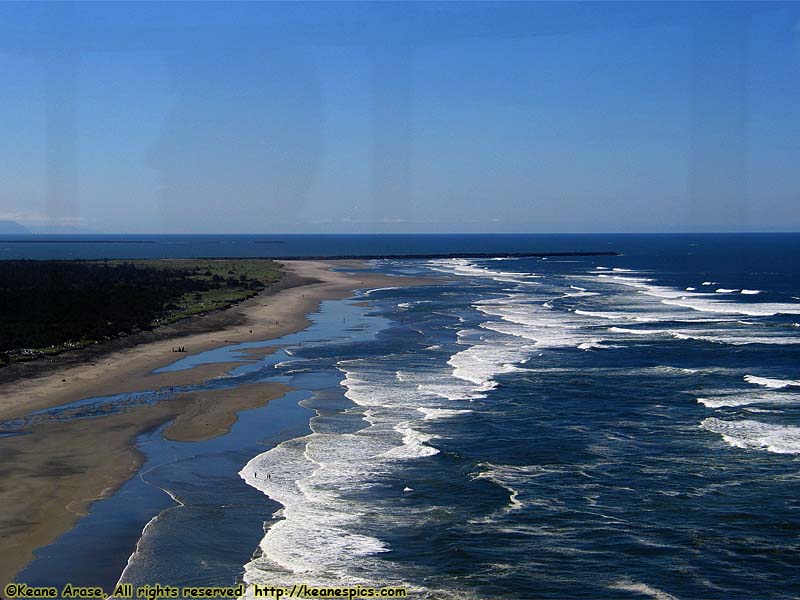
x=50, y=476
x=207, y=414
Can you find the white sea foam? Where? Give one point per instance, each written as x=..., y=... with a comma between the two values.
x=415, y=443
x=643, y=285
x=633, y=281
x=603, y=315
x=626, y=585
x=467, y=268
x=734, y=337
x=579, y=292
x=676, y=306
x=751, y=292
x=442, y=413
x=756, y=435
x=318, y=537
x=591, y=345
x=314, y=537
x=727, y=335
x=455, y=390
x=639, y=331
x=754, y=309
x=507, y=476
x=726, y=291
x=733, y=400
x=545, y=329
x=771, y=383
x=479, y=364
x=511, y=298
x=381, y=289
x=138, y=550
x=284, y=363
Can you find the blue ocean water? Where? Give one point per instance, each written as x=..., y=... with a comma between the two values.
x=671, y=246
x=263, y=245
x=608, y=427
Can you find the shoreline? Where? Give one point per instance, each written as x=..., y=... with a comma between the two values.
x=52, y=474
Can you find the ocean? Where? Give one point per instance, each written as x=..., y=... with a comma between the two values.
x=578, y=427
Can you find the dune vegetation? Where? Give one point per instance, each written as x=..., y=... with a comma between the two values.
x=47, y=307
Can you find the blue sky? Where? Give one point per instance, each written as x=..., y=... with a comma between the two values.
x=407, y=117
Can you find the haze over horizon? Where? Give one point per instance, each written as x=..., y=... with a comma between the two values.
x=400, y=117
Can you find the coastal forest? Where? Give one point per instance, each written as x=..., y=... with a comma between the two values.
x=47, y=307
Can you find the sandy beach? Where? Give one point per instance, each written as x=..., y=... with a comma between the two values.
x=52, y=474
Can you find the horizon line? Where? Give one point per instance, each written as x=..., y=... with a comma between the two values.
x=417, y=233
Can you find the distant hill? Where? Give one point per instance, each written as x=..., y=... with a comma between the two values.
x=12, y=227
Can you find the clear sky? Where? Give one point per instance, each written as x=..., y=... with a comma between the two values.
x=408, y=117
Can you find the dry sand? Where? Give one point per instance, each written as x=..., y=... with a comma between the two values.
x=49, y=477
